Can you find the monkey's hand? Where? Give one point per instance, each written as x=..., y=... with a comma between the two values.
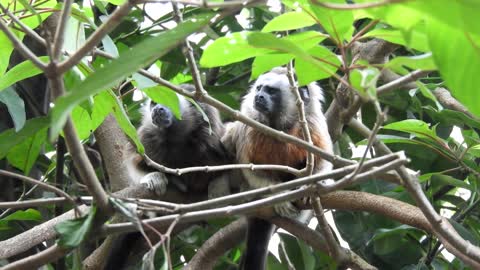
x=156, y=181
x=286, y=209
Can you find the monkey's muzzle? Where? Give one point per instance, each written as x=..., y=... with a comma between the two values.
x=162, y=116
x=262, y=103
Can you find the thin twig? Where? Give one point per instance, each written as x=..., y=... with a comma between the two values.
x=188, y=51
x=251, y=166
x=333, y=247
x=60, y=31
x=413, y=76
x=41, y=184
x=302, y=119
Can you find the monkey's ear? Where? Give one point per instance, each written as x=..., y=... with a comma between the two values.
x=304, y=94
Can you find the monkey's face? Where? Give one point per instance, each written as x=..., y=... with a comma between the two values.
x=267, y=99
x=162, y=116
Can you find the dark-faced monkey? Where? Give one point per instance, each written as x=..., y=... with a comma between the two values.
x=193, y=140
x=271, y=102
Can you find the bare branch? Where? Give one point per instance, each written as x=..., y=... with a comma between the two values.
x=301, y=117
x=448, y=101
x=411, y=77
x=80, y=159
x=222, y=241
x=43, y=185
x=34, y=261
x=333, y=248
x=60, y=31
x=317, y=241
x=251, y=166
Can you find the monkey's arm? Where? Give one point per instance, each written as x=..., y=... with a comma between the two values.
x=139, y=173
x=230, y=138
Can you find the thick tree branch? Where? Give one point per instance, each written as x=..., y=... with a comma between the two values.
x=225, y=239
x=317, y=241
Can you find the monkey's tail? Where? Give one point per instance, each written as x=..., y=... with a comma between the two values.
x=258, y=236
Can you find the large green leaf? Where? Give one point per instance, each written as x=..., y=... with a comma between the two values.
x=308, y=72
x=424, y=62
x=25, y=69
x=15, y=106
x=73, y=232
x=264, y=63
x=289, y=21
x=416, y=127
x=11, y=138
x=457, y=56
x=237, y=47
x=129, y=62
x=23, y=215
x=416, y=39
x=230, y=49
x=24, y=154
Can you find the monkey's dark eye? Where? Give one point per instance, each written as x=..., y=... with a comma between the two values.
x=259, y=87
x=270, y=90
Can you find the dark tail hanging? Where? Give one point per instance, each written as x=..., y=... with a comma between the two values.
x=258, y=236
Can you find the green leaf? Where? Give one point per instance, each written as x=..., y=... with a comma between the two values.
x=15, y=106
x=25, y=69
x=105, y=103
x=167, y=97
x=448, y=180
x=237, y=47
x=230, y=49
x=289, y=21
x=24, y=154
x=129, y=62
x=416, y=39
x=82, y=121
x=337, y=23
x=6, y=49
x=264, y=63
x=73, y=232
x=457, y=56
x=424, y=62
x=308, y=72
x=11, y=138
x=270, y=41
x=416, y=127
x=365, y=82
x=22, y=215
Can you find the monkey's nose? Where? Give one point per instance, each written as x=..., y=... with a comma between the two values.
x=162, y=116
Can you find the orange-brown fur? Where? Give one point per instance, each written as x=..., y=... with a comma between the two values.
x=265, y=149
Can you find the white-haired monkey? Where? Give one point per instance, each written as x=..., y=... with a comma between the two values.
x=271, y=102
